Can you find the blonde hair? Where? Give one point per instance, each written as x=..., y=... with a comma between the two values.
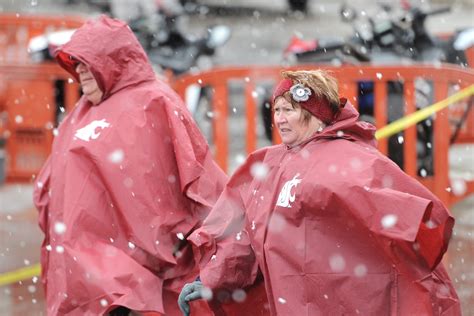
x=320, y=81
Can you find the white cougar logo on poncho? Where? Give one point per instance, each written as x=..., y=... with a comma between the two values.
x=285, y=196
x=89, y=131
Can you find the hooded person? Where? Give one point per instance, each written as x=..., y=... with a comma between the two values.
x=129, y=177
x=334, y=226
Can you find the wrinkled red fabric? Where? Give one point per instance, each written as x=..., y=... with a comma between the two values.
x=335, y=227
x=129, y=178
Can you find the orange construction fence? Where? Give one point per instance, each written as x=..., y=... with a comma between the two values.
x=445, y=80
x=32, y=93
x=32, y=96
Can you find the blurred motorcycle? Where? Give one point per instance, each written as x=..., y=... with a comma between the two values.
x=387, y=38
x=170, y=50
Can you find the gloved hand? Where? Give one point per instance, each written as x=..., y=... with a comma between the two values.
x=190, y=292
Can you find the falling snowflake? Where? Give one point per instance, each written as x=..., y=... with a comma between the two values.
x=259, y=170
x=239, y=295
x=337, y=263
x=239, y=159
x=131, y=245
x=128, y=182
x=387, y=181
x=277, y=223
x=238, y=236
x=430, y=224
x=459, y=187
x=423, y=172
x=103, y=302
x=206, y=293
x=281, y=300
x=356, y=164
x=116, y=156
x=59, y=228
x=360, y=270
x=59, y=249
x=332, y=168
x=171, y=178
x=389, y=220
x=180, y=236
x=378, y=75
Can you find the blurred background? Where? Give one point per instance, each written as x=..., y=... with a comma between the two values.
x=188, y=37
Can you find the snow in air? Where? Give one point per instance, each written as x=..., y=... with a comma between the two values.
x=116, y=156
x=281, y=300
x=259, y=170
x=388, y=221
x=59, y=228
x=337, y=263
x=360, y=270
x=239, y=295
x=206, y=293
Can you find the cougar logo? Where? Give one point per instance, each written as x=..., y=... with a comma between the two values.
x=285, y=196
x=89, y=131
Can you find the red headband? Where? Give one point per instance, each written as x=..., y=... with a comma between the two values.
x=306, y=98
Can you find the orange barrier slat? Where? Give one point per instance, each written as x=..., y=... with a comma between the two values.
x=441, y=145
x=409, y=144
x=380, y=98
x=220, y=123
x=251, y=115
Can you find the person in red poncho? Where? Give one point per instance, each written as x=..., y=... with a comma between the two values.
x=129, y=177
x=334, y=226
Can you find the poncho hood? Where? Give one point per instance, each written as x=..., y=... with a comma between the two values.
x=111, y=51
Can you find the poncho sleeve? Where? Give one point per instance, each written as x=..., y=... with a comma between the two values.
x=222, y=245
x=404, y=216
x=194, y=161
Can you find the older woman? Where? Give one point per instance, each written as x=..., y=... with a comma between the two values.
x=334, y=226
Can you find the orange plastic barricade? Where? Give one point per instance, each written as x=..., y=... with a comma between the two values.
x=445, y=79
x=32, y=96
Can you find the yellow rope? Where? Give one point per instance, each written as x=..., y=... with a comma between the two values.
x=412, y=119
x=20, y=274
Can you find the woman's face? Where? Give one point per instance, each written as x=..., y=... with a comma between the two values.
x=293, y=130
x=89, y=85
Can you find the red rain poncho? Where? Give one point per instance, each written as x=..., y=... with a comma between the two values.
x=127, y=179
x=335, y=227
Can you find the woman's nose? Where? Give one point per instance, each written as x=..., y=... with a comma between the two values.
x=80, y=68
x=279, y=117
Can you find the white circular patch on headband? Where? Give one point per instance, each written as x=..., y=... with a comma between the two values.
x=300, y=93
